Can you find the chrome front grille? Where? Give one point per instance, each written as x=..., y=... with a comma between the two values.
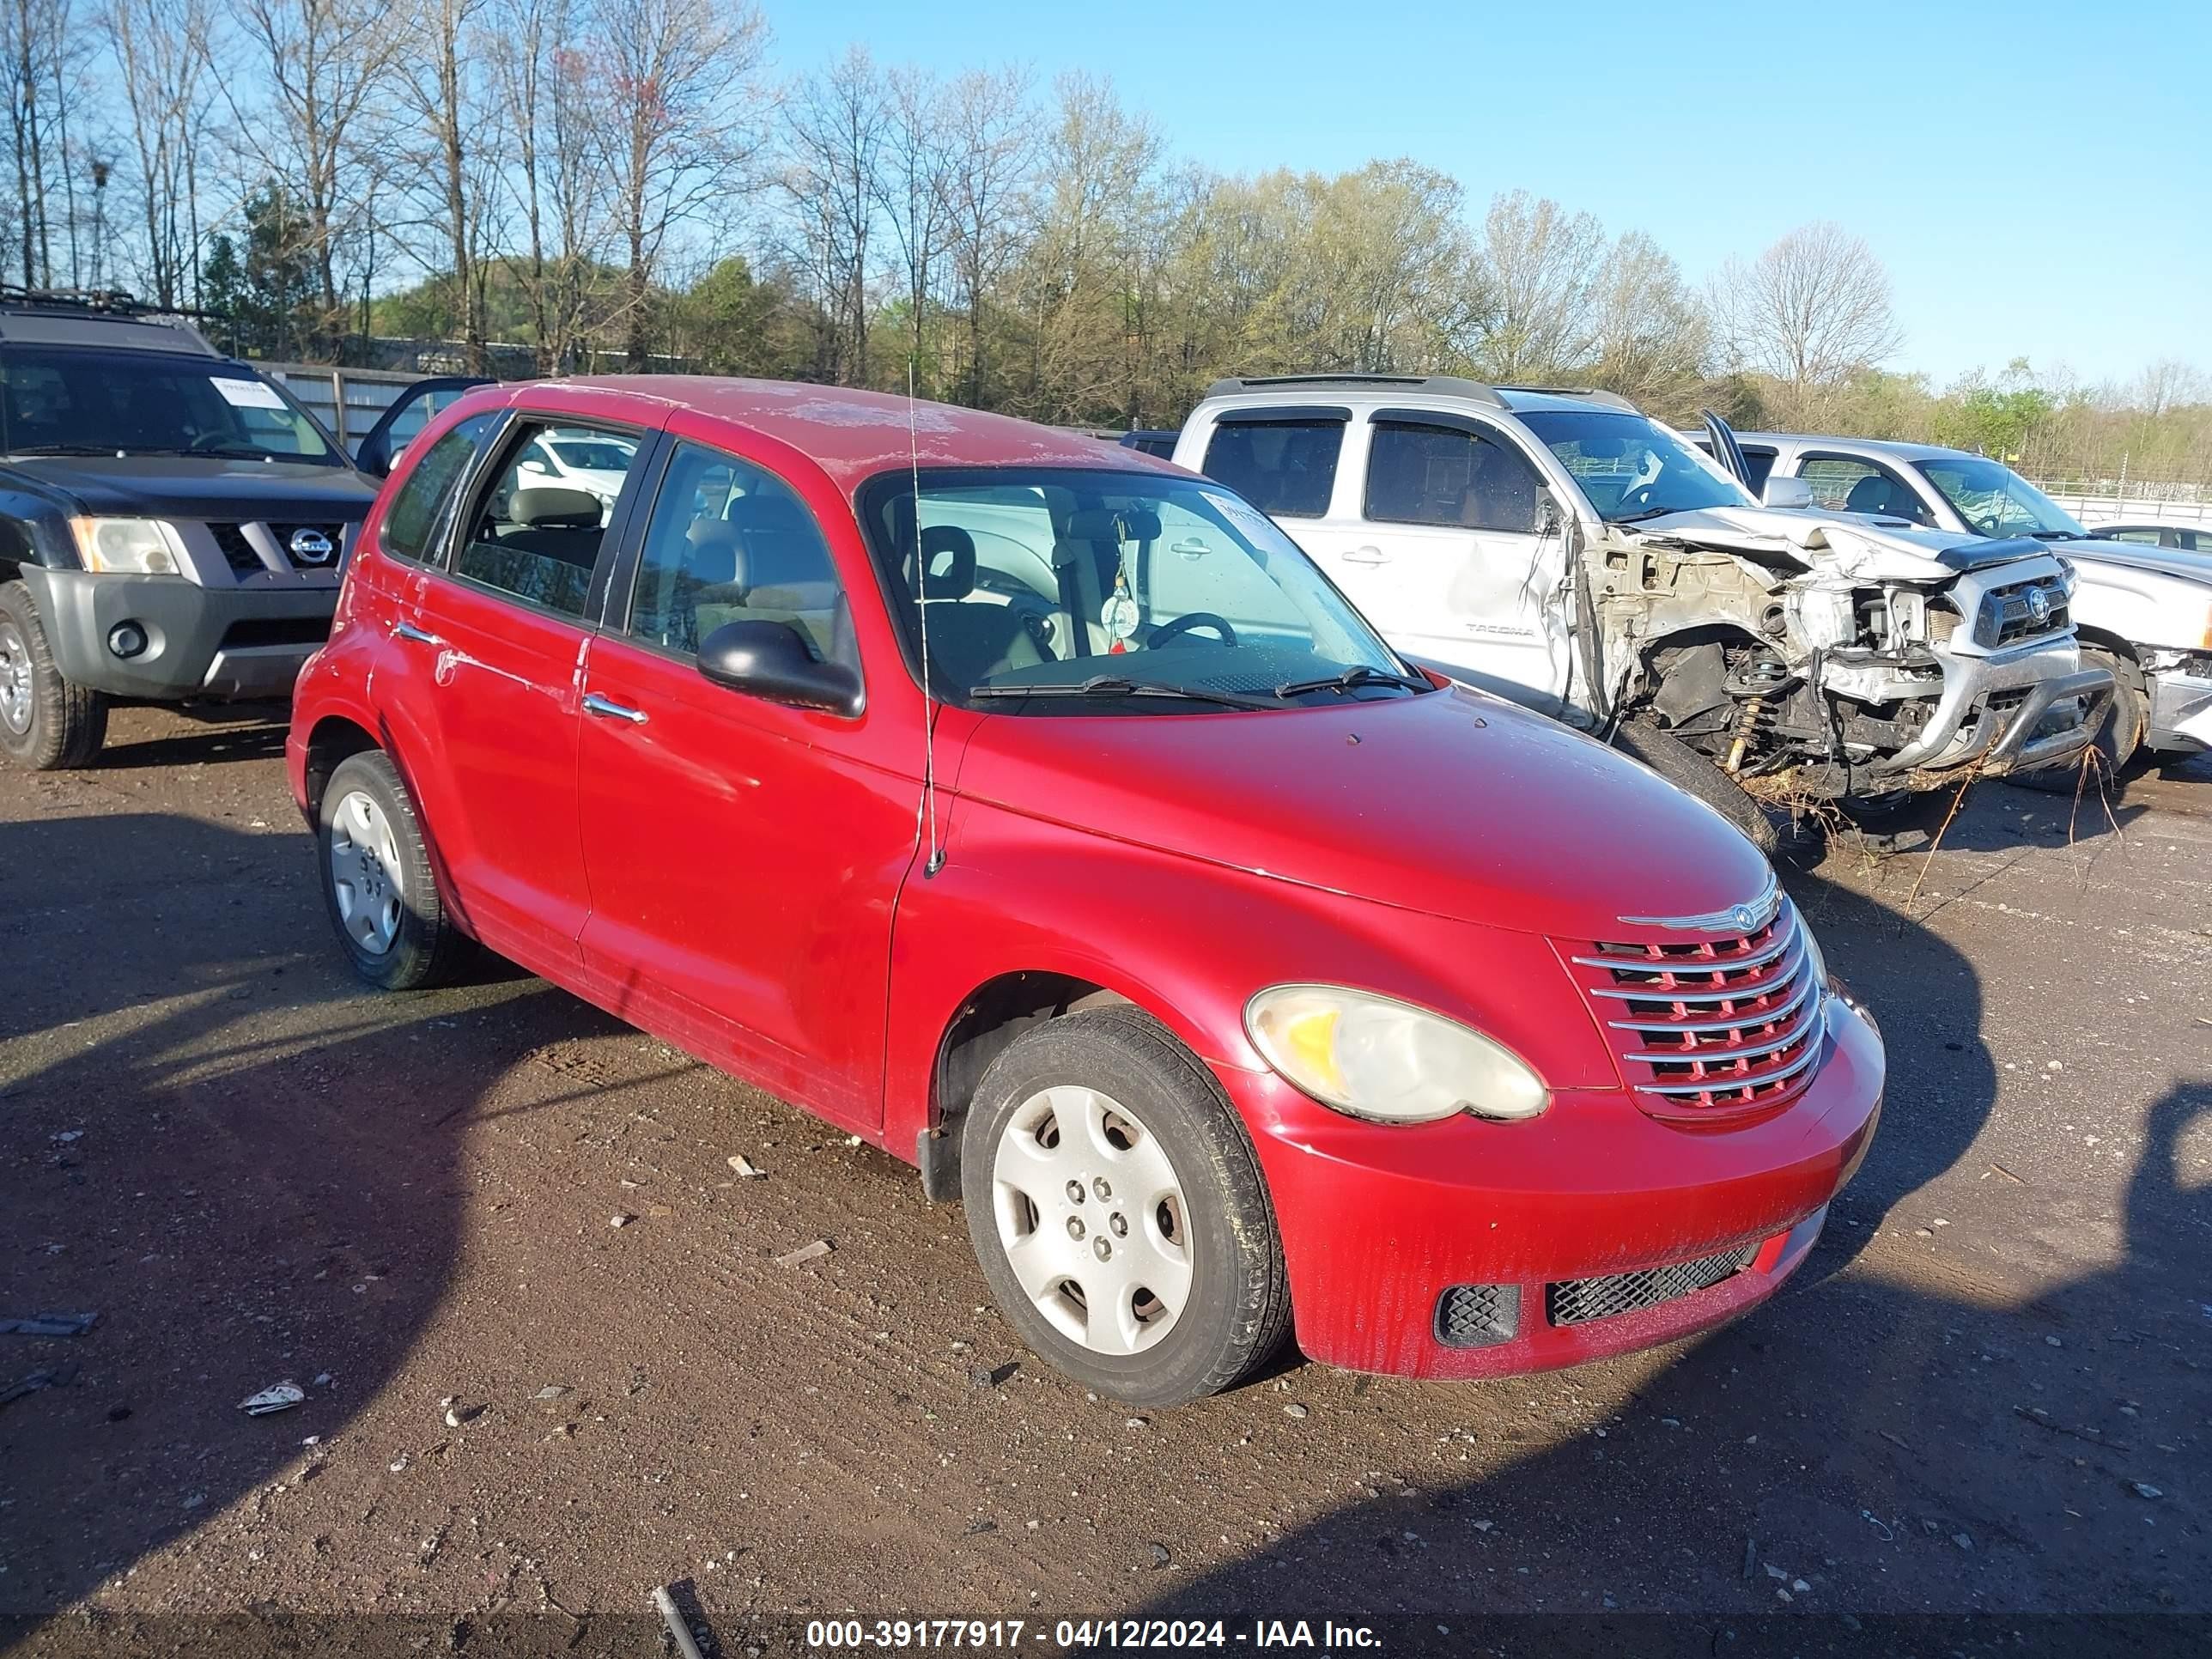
x=1712, y=1025
x=2009, y=614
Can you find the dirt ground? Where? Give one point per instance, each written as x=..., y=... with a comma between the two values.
x=1986, y=1393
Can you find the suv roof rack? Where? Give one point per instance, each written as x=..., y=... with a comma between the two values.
x=1449, y=386
x=1588, y=394
x=97, y=317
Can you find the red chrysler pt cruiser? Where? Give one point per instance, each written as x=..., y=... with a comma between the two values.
x=1037, y=811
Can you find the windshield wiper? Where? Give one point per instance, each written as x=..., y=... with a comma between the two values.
x=65, y=449
x=2061, y=535
x=1352, y=679
x=1648, y=512
x=1118, y=685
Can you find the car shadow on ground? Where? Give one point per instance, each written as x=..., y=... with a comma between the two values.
x=222, y=1143
x=223, y=732
x=224, y=1147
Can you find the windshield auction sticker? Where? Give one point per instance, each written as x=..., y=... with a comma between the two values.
x=247, y=394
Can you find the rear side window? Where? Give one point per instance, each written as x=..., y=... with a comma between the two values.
x=1287, y=469
x=730, y=543
x=412, y=524
x=1760, y=464
x=1439, y=475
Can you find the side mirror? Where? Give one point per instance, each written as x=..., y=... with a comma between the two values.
x=769, y=660
x=535, y=466
x=1786, y=492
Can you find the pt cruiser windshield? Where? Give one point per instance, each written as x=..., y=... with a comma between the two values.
x=1050, y=589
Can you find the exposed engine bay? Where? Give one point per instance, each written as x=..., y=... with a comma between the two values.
x=1840, y=660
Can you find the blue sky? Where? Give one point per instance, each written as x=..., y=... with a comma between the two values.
x=2036, y=176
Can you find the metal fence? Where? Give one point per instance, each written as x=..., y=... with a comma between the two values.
x=2131, y=500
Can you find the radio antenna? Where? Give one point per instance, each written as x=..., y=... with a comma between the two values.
x=936, y=860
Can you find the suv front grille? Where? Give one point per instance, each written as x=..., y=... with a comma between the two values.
x=237, y=551
x=1708, y=1028
x=1578, y=1301
x=332, y=535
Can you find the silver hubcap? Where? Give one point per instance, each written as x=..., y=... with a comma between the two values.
x=1092, y=1220
x=364, y=873
x=14, y=678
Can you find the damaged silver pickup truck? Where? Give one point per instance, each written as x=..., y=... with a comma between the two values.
x=1563, y=549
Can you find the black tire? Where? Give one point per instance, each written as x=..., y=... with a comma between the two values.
x=2118, y=744
x=61, y=726
x=426, y=948
x=1643, y=738
x=1238, y=1307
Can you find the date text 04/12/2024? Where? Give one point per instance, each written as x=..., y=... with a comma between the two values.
x=854, y=1635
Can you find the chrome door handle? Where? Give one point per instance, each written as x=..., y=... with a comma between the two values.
x=1367, y=555
x=1190, y=547
x=414, y=635
x=596, y=704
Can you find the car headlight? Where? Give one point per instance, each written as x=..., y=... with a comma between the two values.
x=135, y=547
x=1373, y=1057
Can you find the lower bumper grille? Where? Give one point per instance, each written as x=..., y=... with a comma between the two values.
x=1578, y=1301
x=1478, y=1316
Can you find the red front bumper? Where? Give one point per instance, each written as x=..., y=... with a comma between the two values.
x=1379, y=1221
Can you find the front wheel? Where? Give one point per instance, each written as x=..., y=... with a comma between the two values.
x=46, y=723
x=1641, y=738
x=1117, y=1209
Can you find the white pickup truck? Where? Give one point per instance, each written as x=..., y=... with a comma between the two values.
x=1562, y=550
x=2142, y=610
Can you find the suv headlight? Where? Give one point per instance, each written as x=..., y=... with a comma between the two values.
x=135, y=547
x=1373, y=1057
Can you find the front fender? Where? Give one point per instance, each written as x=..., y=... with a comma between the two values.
x=1189, y=942
x=2143, y=607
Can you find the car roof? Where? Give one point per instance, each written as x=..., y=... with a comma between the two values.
x=1369, y=391
x=854, y=435
x=29, y=322
x=1889, y=447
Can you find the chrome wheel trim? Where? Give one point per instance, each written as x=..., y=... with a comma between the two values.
x=1092, y=1219
x=15, y=683
x=365, y=872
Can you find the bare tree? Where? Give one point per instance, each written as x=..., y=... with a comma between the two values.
x=835, y=128
x=673, y=127
x=1810, y=310
x=447, y=98
x=319, y=68
x=1541, y=263
x=987, y=126
x=34, y=34
x=913, y=186
x=1648, y=329
x=158, y=46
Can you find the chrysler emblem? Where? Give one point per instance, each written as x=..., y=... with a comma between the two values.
x=1743, y=917
x=311, y=546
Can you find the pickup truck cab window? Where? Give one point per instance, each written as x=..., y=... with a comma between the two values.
x=1457, y=475
x=1845, y=483
x=729, y=541
x=1284, y=463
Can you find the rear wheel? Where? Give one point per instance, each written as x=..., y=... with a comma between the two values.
x=1644, y=738
x=1117, y=1209
x=377, y=886
x=2104, y=766
x=46, y=724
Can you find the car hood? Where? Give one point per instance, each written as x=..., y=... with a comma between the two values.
x=1851, y=544
x=189, y=487
x=2133, y=555
x=1454, y=803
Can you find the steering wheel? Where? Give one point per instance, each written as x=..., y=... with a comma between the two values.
x=1183, y=625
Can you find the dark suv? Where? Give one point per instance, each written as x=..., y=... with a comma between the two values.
x=172, y=522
